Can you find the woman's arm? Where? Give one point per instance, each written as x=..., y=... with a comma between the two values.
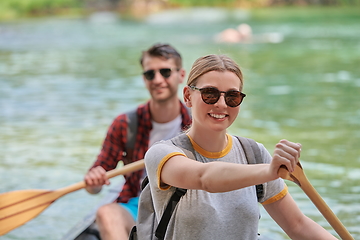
x=180, y=171
x=296, y=225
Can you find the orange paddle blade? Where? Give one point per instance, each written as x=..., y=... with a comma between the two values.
x=18, y=207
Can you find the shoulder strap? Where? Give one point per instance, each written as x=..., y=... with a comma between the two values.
x=253, y=156
x=131, y=129
x=165, y=219
x=251, y=149
x=175, y=198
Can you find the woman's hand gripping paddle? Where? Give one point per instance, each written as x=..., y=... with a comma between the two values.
x=19, y=207
x=299, y=177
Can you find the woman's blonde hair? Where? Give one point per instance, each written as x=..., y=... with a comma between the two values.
x=213, y=62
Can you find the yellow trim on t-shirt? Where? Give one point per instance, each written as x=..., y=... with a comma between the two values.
x=277, y=197
x=208, y=154
x=161, y=185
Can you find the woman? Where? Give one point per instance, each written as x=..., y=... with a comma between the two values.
x=221, y=200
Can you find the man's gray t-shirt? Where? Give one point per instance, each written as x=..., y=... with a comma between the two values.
x=204, y=215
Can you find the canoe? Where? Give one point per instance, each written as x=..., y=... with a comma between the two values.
x=86, y=229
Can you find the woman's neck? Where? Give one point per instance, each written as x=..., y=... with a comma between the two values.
x=209, y=140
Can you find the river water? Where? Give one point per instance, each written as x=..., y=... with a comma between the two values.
x=64, y=80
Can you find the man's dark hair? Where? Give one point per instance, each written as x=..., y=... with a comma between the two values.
x=165, y=51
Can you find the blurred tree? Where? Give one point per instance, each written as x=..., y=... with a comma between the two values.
x=10, y=9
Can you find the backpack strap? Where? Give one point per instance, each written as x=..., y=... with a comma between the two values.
x=165, y=219
x=132, y=120
x=175, y=198
x=253, y=156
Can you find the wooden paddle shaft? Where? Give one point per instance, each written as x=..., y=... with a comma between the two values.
x=132, y=167
x=18, y=207
x=325, y=210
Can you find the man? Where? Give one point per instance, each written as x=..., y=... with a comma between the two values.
x=162, y=117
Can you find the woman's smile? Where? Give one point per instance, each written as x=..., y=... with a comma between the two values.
x=219, y=116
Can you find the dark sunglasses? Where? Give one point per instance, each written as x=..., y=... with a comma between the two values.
x=165, y=72
x=211, y=95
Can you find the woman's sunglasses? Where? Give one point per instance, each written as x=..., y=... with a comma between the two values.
x=150, y=74
x=211, y=95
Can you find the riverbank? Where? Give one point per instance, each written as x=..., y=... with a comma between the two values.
x=138, y=9
x=273, y=14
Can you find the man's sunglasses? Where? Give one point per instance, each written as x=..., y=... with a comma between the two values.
x=211, y=95
x=165, y=72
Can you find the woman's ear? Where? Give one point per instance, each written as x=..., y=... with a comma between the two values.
x=187, y=96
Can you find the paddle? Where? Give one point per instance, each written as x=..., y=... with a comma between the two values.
x=19, y=207
x=299, y=177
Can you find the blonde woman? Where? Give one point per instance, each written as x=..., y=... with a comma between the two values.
x=221, y=202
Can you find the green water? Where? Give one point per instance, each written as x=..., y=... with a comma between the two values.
x=64, y=80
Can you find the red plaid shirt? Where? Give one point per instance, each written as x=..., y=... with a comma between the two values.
x=114, y=147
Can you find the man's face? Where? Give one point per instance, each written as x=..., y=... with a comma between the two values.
x=162, y=88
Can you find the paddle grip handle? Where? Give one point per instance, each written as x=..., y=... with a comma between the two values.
x=325, y=210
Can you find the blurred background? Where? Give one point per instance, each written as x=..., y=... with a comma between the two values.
x=69, y=67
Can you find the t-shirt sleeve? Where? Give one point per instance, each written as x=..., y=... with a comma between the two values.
x=156, y=157
x=273, y=190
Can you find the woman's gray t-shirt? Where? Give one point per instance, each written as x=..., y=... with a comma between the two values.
x=204, y=215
